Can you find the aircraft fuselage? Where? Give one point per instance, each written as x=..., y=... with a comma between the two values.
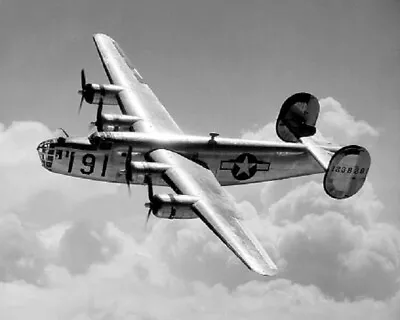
x=233, y=161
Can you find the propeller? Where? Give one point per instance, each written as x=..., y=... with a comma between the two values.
x=83, y=87
x=147, y=180
x=128, y=168
x=148, y=216
x=85, y=91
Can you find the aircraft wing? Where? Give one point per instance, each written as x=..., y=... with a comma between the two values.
x=216, y=208
x=136, y=99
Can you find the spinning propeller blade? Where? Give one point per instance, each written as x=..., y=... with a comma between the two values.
x=148, y=217
x=150, y=195
x=82, y=91
x=150, y=188
x=80, y=105
x=83, y=79
x=128, y=168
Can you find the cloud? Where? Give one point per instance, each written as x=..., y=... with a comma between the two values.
x=309, y=197
x=265, y=133
x=74, y=249
x=141, y=286
x=84, y=244
x=334, y=123
x=22, y=255
x=18, y=162
x=343, y=260
x=137, y=286
x=19, y=141
x=343, y=247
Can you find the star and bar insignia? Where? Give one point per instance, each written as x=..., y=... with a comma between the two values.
x=244, y=166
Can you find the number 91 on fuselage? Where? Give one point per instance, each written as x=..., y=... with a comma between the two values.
x=79, y=158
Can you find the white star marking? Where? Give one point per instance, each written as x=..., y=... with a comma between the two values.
x=244, y=167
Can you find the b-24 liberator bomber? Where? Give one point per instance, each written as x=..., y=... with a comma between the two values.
x=143, y=145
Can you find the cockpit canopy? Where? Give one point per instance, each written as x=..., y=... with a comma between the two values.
x=46, y=151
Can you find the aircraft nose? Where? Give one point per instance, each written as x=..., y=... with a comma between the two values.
x=45, y=151
x=41, y=149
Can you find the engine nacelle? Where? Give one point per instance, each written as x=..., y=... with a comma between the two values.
x=297, y=117
x=118, y=122
x=153, y=168
x=94, y=93
x=119, y=119
x=173, y=206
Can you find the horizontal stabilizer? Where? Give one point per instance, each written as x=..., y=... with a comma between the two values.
x=345, y=170
x=322, y=156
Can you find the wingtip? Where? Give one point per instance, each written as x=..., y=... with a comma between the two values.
x=264, y=265
x=260, y=262
x=271, y=272
x=268, y=270
x=100, y=35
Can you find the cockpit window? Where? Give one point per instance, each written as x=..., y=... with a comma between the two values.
x=46, y=153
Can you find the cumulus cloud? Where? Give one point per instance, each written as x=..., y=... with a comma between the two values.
x=335, y=123
x=344, y=247
x=74, y=249
x=265, y=133
x=309, y=197
x=18, y=161
x=140, y=286
x=22, y=255
x=344, y=260
x=84, y=244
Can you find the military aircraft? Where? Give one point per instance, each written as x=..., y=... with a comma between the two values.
x=143, y=145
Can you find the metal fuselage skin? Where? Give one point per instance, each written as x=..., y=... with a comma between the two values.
x=102, y=157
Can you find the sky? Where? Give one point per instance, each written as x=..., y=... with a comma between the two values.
x=76, y=249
